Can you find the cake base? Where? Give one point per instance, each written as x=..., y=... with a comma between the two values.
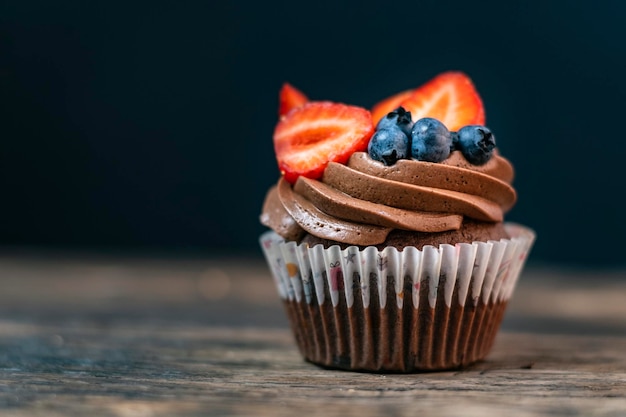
x=391, y=310
x=393, y=339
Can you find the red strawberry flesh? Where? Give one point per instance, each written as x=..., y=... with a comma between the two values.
x=311, y=136
x=450, y=98
x=290, y=98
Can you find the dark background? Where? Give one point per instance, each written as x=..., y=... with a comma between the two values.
x=147, y=125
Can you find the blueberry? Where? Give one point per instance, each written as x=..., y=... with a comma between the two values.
x=400, y=118
x=388, y=145
x=431, y=140
x=476, y=143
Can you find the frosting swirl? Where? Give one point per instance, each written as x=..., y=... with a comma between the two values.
x=361, y=202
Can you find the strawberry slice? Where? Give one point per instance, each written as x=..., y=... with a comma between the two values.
x=289, y=98
x=449, y=97
x=382, y=108
x=319, y=132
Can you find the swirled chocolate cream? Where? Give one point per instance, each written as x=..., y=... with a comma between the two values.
x=415, y=170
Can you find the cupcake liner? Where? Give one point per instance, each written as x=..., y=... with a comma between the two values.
x=397, y=310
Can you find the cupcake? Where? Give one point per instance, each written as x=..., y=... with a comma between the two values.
x=387, y=240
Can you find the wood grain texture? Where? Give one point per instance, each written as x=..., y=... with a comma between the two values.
x=120, y=337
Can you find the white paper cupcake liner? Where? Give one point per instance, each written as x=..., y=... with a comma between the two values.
x=324, y=288
x=492, y=267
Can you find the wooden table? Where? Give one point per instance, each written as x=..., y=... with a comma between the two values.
x=119, y=336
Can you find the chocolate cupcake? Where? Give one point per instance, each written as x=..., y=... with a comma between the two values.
x=387, y=242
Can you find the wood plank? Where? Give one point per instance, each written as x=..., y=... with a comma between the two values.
x=182, y=370
x=159, y=337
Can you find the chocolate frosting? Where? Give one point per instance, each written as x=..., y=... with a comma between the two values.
x=361, y=202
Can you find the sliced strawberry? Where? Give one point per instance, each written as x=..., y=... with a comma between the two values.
x=311, y=136
x=289, y=98
x=449, y=97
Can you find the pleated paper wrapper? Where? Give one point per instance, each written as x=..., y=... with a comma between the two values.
x=395, y=310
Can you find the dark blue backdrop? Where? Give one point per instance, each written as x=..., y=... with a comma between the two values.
x=147, y=125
